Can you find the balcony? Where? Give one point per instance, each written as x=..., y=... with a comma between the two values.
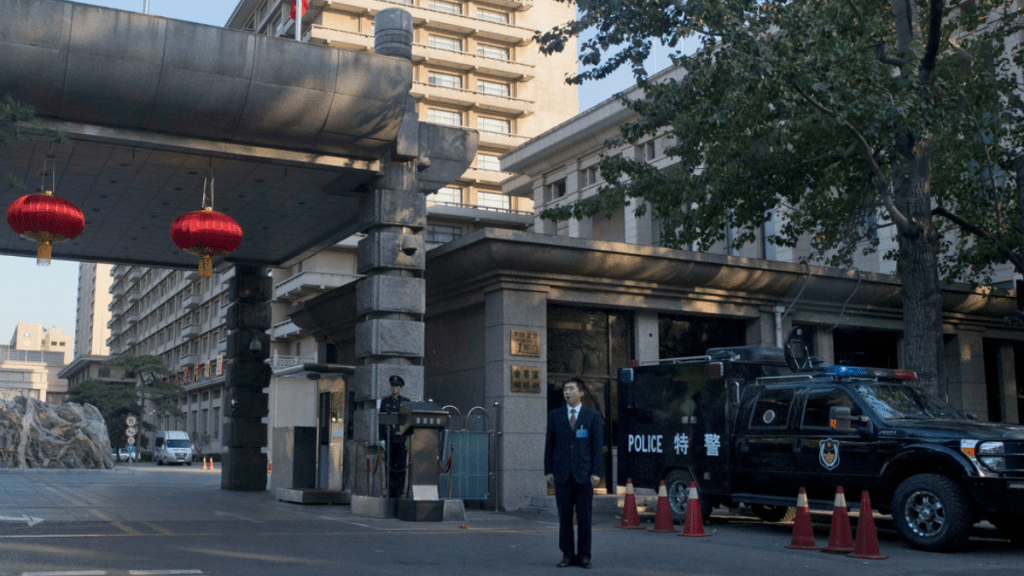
x=132, y=295
x=191, y=301
x=119, y=271
x=483, y=215
x=184, y=360
x=482, y=176
x=131, y=317
x=466, y=61
x=504, y=105
x=305, y=283
x=341, y=38
x=285, y=330
x=135, y=274
x=190, y=331
x=129, y=340
x=501, y=139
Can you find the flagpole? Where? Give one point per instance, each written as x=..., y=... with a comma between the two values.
x=298, y=20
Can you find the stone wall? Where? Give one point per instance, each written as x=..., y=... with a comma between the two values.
x=34, y=434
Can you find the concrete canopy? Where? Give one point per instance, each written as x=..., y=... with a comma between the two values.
x=293, y=133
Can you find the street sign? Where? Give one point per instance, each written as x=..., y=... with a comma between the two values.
x=131, y=440
x=129, y=431
x=131, y=421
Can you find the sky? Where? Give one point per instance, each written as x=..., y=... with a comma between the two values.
x=47, y=295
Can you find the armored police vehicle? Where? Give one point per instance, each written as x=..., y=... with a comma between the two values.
x=753, y=425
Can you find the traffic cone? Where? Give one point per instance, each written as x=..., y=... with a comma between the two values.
x=630, y=518
x=694, y=519
x=204, y=462
x=803, y=531
x=663, y=518
x=867, y=538
x=840, y=538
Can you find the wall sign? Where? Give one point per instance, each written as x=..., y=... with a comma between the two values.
x=526, y=343
x=526, y=379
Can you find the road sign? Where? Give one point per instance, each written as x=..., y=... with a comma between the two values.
x=131, y=421
x=129, y=431
x=131, y=440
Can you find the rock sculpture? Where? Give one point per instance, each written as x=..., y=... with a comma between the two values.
x=34, y=434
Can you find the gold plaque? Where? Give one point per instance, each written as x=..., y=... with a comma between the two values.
x=526, y=343
x=526, y=379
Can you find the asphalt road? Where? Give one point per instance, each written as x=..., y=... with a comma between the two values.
x=151, y=521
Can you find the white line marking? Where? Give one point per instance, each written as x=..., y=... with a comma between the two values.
x=31, y=521
x=162, y=572
x=85, y=573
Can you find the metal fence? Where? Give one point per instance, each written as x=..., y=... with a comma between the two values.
x=466, y=455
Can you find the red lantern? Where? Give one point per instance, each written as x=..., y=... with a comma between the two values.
x=46, y=220
x=206, y=233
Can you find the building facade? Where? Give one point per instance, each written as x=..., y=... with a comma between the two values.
x=31, y=364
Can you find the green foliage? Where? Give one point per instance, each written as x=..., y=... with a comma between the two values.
x=17, y=122
x=807, y=110
x=114, y=400
x=156, y=394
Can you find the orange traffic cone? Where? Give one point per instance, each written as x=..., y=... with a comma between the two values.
x=204, y=462
x=630, y=517
x=694, y=520
x=840, y=538
x=867, y=539
x=663, y=518
x=803, y=531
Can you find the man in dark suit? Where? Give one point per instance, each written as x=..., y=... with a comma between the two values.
x=572, y=459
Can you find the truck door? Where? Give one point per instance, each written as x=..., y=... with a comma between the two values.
x=827, y=456
x=764, y=440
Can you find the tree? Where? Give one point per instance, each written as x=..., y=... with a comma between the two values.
x=17, y=122
x=114, y=400
x=156, y=395
x=834, y=117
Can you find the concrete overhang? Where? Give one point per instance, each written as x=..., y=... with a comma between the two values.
x=293, y=132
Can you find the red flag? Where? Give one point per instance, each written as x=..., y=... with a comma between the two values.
x=305, y=7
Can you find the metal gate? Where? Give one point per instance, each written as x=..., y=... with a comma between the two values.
x=465, y=471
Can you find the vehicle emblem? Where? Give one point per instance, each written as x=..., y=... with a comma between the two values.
x=828, y=453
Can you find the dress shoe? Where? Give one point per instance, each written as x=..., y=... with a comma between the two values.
x=585, y=562
x=566, y=561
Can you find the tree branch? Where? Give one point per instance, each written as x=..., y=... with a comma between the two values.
x=886, y=59
x=1013, y=257
x=934, y=39
x=881, y=182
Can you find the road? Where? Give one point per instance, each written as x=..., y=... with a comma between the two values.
x=151, y=521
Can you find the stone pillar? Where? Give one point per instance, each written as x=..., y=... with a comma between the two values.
x=246, y=379
x=645, y=334
x=1007, y=384
x=965, y=372
x=522, y=412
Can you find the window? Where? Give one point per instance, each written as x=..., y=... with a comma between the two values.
x=488, y=162
x=492, y=16
x=442, y=234
x=445, y=43
x=554, y=190
x=446, y=117
x=442, y=79
x=588, y=176
x=649, y=148
x=450, y=194
x=449, y=7
x=489, y=200
x=819, y=406
x=498, y=125
x=497, y=52
x=493, y=88
x=772, y=409
x=216, y=423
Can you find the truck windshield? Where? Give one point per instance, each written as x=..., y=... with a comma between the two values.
x=177, y=444
x=893, y=401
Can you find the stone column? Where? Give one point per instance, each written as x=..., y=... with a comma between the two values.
x=246, y=379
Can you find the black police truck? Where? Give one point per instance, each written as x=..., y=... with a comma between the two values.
x=753, y=425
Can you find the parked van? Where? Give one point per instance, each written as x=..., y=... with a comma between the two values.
x=172, y=447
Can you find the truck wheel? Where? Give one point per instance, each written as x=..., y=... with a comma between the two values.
x=677, y=484
x=932, y=513
x=774, y=513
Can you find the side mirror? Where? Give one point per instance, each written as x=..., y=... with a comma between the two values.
x=839, y=418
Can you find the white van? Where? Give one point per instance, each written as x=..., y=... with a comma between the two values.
x=172, y=447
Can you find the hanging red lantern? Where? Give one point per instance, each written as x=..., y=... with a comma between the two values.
x=206, y=233
x=46, y=220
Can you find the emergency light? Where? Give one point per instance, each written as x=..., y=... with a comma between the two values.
x=880, y=373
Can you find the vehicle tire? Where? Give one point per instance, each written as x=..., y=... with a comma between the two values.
x=932, y=513
x=774, y=513
x=159, y=462
x=677, y=485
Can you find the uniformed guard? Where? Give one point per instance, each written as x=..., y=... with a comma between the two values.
x=397, y=452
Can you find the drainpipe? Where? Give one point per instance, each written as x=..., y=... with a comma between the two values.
x=779, y=309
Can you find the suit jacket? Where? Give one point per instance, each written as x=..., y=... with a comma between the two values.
x=574, y=452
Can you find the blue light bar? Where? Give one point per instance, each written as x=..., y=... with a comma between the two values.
x=845, y=370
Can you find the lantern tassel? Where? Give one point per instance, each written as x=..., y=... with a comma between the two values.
x=44, y=249
x=205, y=266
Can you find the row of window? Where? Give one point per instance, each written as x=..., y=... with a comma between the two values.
x=483, y=123
x=454, y=44
x=448, y=80
x=490, y=15
x=453, y=195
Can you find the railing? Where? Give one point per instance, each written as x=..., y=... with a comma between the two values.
x=478, y=207
x=277, y=361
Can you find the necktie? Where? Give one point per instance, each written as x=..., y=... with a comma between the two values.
x=572, y=419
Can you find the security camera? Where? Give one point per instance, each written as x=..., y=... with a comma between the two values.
x=234, y=403
x=409, y=246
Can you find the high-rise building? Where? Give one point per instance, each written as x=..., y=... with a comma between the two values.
x=93, y=315
x=475, y=65
x=30, y=365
